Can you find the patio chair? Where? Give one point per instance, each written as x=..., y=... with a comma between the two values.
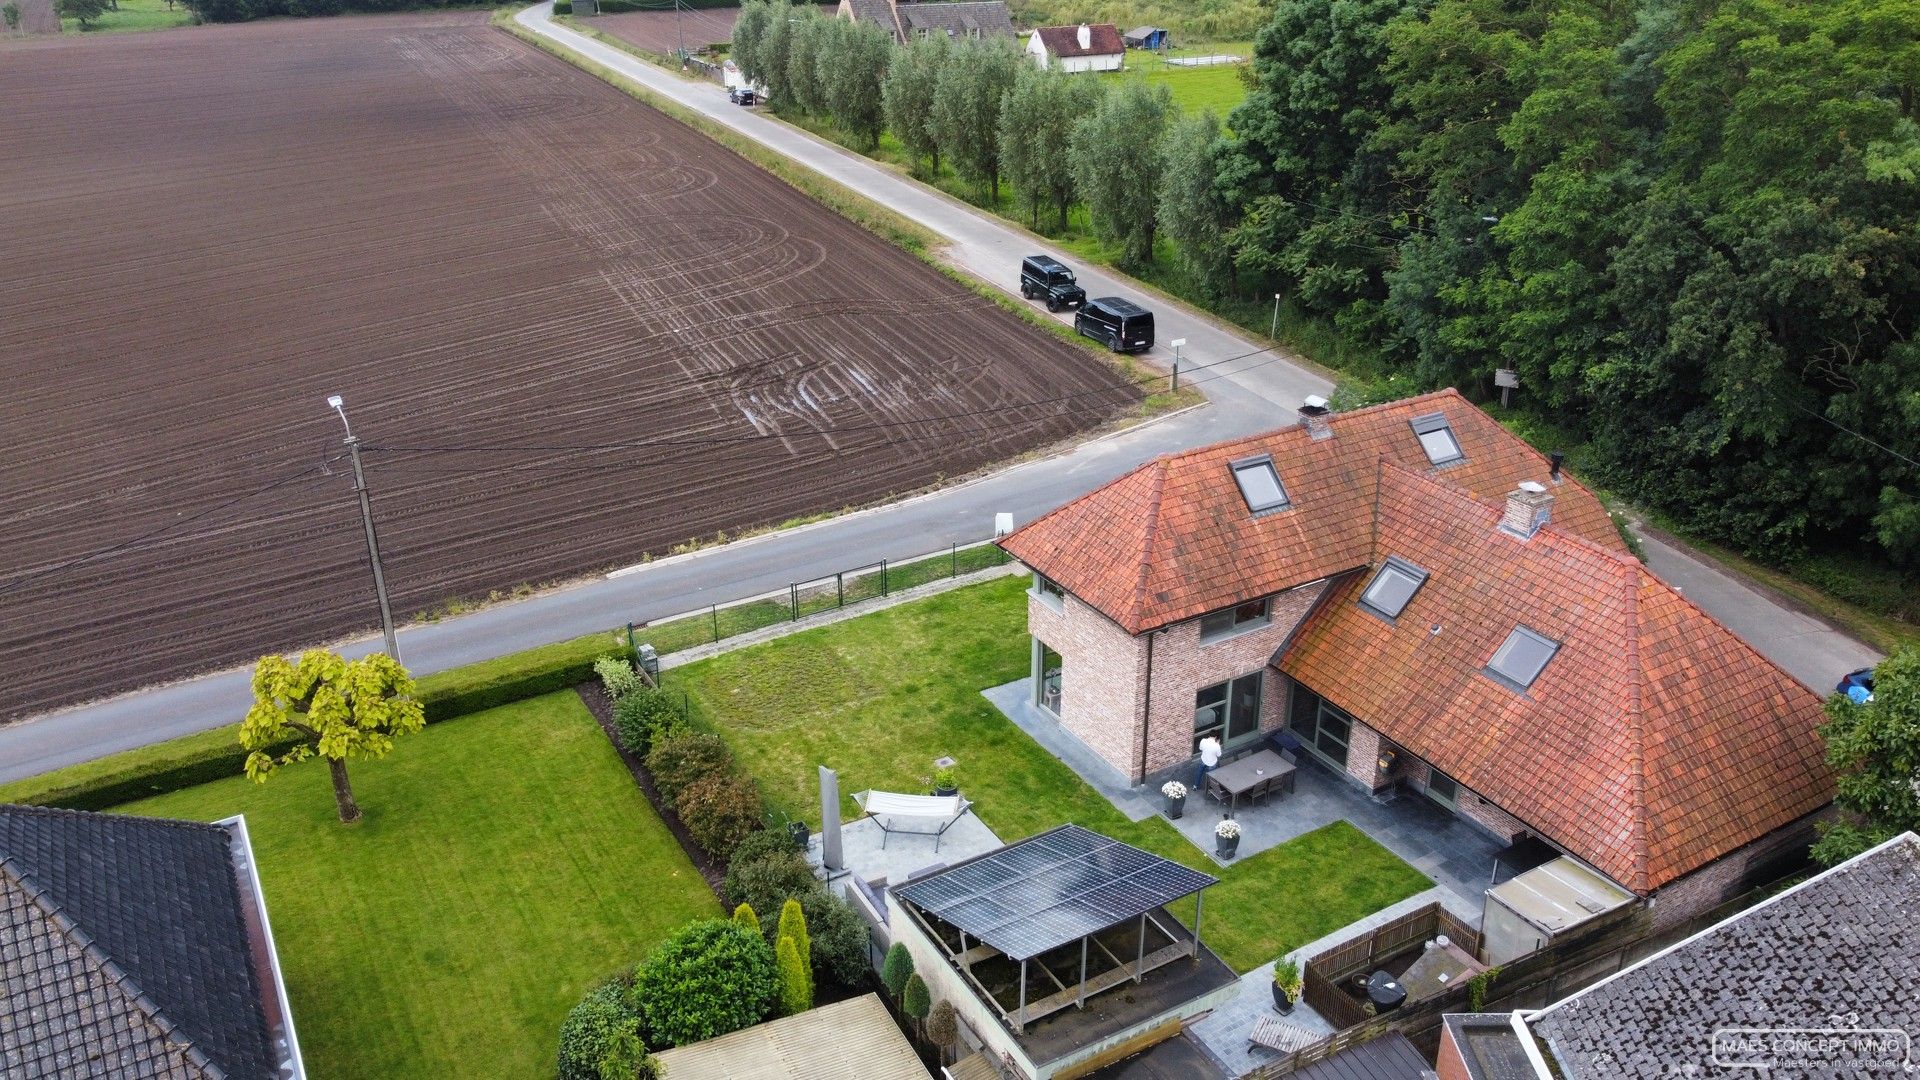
x=1278, y=1035
x=944, y=809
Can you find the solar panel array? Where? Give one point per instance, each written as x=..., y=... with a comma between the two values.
x=1053, y=889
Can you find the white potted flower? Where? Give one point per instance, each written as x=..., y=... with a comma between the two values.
x=1176, y=793
x=1226, y=838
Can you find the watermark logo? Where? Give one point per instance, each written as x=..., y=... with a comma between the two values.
x=1841, y=1045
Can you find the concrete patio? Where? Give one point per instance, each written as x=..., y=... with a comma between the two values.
x=1455, y=854
x=873, y=856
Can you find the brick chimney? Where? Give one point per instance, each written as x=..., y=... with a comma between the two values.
x=1313, y=417
x=1086, y=36
x=1529, y=506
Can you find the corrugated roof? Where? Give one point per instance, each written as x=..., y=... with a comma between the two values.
x=856, y=1037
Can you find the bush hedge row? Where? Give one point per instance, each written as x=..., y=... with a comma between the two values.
x=215, y=755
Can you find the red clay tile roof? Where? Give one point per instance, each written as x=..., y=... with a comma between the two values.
x=1064, y=41
x=1654, y=740
x=1174, y=539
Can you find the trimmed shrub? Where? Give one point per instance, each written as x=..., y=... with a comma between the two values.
x=563, y=7
x=896, y=969
x=793, y=924
x=643, y=717
x=943, y=1026
x=599, y=1030
x=796, y=982
x=768, y=881
x=709, y=978
x=745, y=917
x=764, y=844
x=840, y=938
x=617, y=676
x=719, y=811
x=469, y=689
x=915, y=1001
x=684, y=758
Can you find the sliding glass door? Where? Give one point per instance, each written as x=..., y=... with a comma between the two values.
x=1323, y=726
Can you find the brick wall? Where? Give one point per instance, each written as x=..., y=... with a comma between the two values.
x=1182, y=666
x=1450, y=1065
x=1729, y=876
x=1363, y=756
x=1102, y=677
x=1488, y=816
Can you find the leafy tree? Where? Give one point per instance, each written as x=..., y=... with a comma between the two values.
x=10, y=14
x=600, y=1039
x=82, y=11
x=908, y=94
x=796, y=982
x=1192, y=212
x=1117, y=166
x=743, y=914
x=771, y=55
x=915, y=1000
x=1037, y=118
x=749, y=35
x=896, y=969
x=809, y=42
x=966, y=109
x=1875, y=749
x=852, y=73
x=338, y=709
x=708, y=978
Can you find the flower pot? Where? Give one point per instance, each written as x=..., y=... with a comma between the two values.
x=1176, y=807
x=1226, y=846
x=798, y=833
x=1281, y=1001
x=946, y=792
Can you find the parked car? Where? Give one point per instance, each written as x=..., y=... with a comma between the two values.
x=1120, y=325
x=743, y=95
x=1858, y=685
x=1049, y=279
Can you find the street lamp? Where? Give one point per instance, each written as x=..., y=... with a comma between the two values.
x=1176, y=343
x=339, y=405
x=1274, y=332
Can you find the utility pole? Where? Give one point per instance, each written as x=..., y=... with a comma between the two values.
x=1274, y=332
x=1176, y=343
x=679, y=35
x=366, y=519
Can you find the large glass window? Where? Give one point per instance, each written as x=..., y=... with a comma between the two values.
x=1437, y=438
x=1442, y=789
x=1260, y=484
x=1048, y=693
x=1519, y=660
x=1321, y=725
x=1227, y=711
x=1387, y=595
x=1232, y=620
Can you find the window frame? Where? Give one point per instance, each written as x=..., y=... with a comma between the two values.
x=1428, y=423
x=1255, y=461
x=1048, y=591
x=1401, y=566
x=1236, y=625
x=1522, y=632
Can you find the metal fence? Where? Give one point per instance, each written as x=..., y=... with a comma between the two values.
x=802, y=600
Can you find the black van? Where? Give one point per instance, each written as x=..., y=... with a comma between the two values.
x=1044, y=278
x=1121, y=325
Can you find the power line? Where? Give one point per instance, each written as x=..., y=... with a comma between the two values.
x=1834, y=423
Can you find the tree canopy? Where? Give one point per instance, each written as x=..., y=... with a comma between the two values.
x=1874, y=748
x=333, y=708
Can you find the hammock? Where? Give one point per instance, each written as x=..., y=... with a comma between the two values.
x=944, y=809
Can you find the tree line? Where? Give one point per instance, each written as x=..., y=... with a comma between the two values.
x=1692, y=227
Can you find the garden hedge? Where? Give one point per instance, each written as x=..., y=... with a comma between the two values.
x=214, y=755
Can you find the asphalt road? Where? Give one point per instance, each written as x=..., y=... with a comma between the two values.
x=1248, y=388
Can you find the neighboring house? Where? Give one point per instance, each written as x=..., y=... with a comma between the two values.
x=1146, y=37
x=856, y=1037
x=136, y=947
x=908, y=20
x=1424, y=603
x=1085, y=47
x=1817, y=981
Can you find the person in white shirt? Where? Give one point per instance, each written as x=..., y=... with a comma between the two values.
x=1209, y=757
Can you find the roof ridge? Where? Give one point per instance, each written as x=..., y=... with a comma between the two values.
x=1622, y=560
x=1637, y=740
x=1147, y=540
x=1333, y=418
x=119, y=977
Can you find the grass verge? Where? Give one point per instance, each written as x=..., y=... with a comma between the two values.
x=880, y=696
x=506, y=863
x=129, y=15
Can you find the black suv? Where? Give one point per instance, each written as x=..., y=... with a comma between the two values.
x=743, y=95
x=1043, y=278
x=1120, y=325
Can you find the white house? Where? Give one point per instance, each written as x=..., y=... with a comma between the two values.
x=1096, y=47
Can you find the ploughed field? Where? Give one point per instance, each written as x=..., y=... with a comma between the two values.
x=569, y=329
x=664, y=31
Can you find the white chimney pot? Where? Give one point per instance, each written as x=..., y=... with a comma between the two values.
x=1086, y=36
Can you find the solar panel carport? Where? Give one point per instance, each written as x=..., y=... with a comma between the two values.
x=1049, y=891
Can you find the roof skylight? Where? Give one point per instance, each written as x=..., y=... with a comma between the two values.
x=1393, y=587
x=1519, y=660
x=1437, y=438
x=1260, y=484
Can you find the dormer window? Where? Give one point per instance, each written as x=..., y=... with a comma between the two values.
x=1437, y=439
x=1388, y=594
x=1260, y=484
x=1519, y=660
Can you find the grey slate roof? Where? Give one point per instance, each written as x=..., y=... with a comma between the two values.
x=959, y=18
x=1389, y=1057
x=877, y=12
x=1846, y=942
x=123, y=950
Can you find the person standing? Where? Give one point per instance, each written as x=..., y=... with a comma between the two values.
x=1209, y=757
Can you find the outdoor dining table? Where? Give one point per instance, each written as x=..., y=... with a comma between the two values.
x=1250, y=776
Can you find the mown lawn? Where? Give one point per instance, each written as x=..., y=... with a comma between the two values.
x=506, y=863
x=136, y=15
x=1195, y=89
x=879, y=697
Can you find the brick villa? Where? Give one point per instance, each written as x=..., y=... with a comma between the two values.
x=1425, y=604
